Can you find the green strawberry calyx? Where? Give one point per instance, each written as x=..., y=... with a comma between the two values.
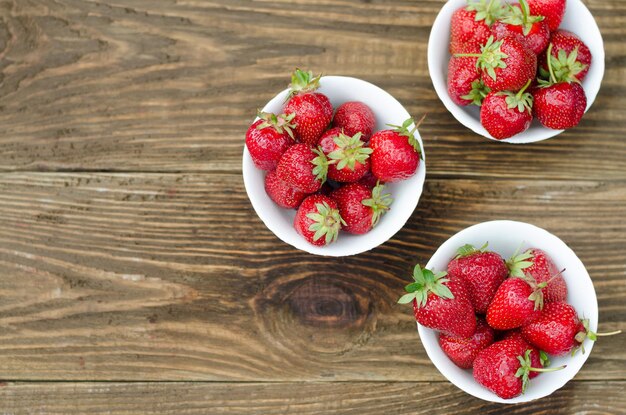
x=425, y=282
x=281, y=123
x=537, y=295
x=489, y=12
x=468, y=249
x=302, y=82
x=521, y=100
x=326, y=222
x=406, y=130
x=581, y=336
x=519, y=262
x=490, y=58
x=521, y=17
x=561, y=68
x=379, y=202
x=350, y=151
x=526, y=367
x=478, y=92
x=321, y=163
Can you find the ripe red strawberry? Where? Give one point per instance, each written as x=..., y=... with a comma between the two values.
x=469, y=25
x=303, y=168
x=532, y=31
x=440, y=303
x=552, y=10
x=517, y=302
x=281, y=193
x=506, y=64
x=268, y=138
x=483, y=272
x=349, y=159
x=560, y=106
x=559, y=330
x=539, y=265
x=355, y=117
x=361, y=207
x=505, y=366
x=318, y=220
x=572, y=58
x=505, y=114
x=313, y=111
x=463, y=350
x=538, y=357
x=464, y=84
x=396, y=153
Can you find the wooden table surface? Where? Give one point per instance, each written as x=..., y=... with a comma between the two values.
x=135, y=276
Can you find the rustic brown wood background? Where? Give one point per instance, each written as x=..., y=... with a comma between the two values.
x=135, y=276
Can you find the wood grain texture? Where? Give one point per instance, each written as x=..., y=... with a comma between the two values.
x=354, y=398
x=146, y=277
x=167, y=85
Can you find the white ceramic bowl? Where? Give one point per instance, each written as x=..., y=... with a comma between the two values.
x=577, y=19
x=504, y=237
x=406, y=194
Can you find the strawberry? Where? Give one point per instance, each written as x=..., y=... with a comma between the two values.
x=538, y=358
x=517, y=302
x=463, y=350
x=506, y=64
x=572, y=58
x=532, y=31
x=349, y=159
x=552, y=10
x=464, y=84
x=281, y=193
x=440, y=303
x=303, y=168
x=539, y=265
x=355, y=117
x=559, y=103
x=483, y=272
x=460, y=47
x=361, y=207
x=396, y=153
x=469, y=25
x=268, y=138
x=318, y=220
x=559, y=330
x=505, y=367
x=505, y=114
x=313, y=111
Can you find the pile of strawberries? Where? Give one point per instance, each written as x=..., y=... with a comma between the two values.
x=515, y=63
x=499, y=318
x=330, y=165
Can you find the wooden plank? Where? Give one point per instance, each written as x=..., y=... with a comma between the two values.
x=146, y=277
x=353, y=398
x=171, y=86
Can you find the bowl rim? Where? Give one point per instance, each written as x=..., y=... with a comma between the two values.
x=591, y=86
x=404, y=215
x=426, y=333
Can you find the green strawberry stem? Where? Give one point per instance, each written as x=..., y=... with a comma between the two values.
x=379, y=203
x=302, y=81
x=490, y=58
x=520, y=100
x=610, y=333
x=425, y=282
x=410, y=134
x=350, y=151
x=588, y=334
x=526, y=367
x=549, y=59
x=326, y=222
x=545, y=283
x=281, y=123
